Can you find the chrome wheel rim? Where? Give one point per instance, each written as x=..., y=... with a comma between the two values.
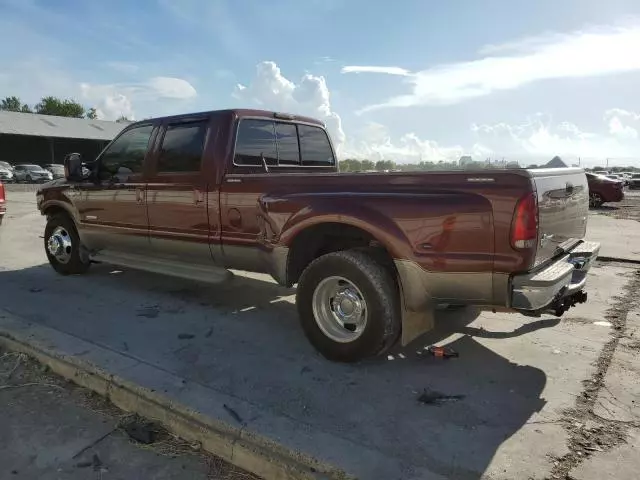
x=339, y=309
x=59, y=245
x=594, y=199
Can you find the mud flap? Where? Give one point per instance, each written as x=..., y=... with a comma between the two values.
x=415, y=324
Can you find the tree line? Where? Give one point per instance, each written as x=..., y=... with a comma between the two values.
x=356, y=165
x=61, y=107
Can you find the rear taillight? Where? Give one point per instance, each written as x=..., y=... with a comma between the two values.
x=524, y=228
x=1, y=192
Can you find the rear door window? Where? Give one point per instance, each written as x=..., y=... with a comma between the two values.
x=182, y=147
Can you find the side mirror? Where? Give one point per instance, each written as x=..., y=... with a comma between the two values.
x=73, y=167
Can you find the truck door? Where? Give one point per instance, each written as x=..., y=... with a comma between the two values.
x=112, y=214
x=177, y=193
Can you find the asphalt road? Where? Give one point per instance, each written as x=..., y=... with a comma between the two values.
x=523, y=400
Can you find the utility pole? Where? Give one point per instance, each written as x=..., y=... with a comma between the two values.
x=607, y=164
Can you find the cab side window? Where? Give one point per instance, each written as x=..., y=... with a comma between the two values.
x=315, y=148
x=256, y=140
x=125, y=156
x=182, y=147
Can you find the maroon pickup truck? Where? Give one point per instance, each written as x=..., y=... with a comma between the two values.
x=372, y=254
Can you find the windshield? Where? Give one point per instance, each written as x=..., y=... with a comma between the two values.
x=57, y=168
x=4, y=165
x=33, y=168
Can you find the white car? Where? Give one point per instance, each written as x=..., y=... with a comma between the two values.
x=31, y=173
x=6, y=172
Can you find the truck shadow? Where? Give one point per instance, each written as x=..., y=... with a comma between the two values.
x=432, y=416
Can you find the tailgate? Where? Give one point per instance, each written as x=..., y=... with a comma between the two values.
x=563, y=207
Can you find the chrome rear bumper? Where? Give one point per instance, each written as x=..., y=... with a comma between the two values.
x=548, y=288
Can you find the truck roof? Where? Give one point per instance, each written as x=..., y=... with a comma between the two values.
x=236, y=112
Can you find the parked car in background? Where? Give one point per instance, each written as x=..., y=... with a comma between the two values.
x=6, y=172
x=56, y=169
x=603, y=189
x=618, y=177
x=3, y=208
x=634, y=181
x=372, y=253
x=31, y=174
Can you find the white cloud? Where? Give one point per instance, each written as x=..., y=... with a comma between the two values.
x=115, y=100
x=169, y=87
x=585, y=53
x=617, y=128
x=371, y=69
x=539, y=138
x=271, y=90
x=619, y=112
x=618, y=118
x=374, y=142
x=115, y=106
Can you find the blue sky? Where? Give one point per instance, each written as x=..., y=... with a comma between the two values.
x=407, y=80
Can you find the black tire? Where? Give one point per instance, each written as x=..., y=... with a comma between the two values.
x=380, y=292
x=28, y=179
x=595, y=200
x=76, y=264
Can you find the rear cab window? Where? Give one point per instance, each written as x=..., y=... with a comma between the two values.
x=279, y=144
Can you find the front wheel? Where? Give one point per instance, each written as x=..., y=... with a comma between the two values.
x=595, y=200
x=349, y=306
x=62, y=245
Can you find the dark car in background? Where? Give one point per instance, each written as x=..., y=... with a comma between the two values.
x=634, y=181
x=56, y=169
x=603, y=190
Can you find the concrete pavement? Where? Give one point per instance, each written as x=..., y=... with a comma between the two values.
x=498, y=411
x=620, y=238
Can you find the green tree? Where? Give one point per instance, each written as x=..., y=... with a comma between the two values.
x=92, y=114
x=63, y=108
x=367, y=165
x=350, y=165
x=13, y=104
x=123, y=118
x=382, y=165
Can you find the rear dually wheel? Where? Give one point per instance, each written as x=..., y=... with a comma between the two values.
x=349, y=306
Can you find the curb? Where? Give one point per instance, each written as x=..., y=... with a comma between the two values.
x=235, y=445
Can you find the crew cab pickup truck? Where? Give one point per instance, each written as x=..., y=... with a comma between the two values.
x=372, y=254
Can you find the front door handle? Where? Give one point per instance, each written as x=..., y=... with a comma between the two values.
x=198, y=196
x=140, y=194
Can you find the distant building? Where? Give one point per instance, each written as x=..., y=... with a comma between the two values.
x=42, y=139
